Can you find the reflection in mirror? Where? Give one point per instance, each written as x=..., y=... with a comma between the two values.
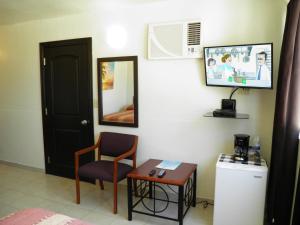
x=117, y=78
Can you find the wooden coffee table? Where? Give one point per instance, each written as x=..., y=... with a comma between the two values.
x=184, y=177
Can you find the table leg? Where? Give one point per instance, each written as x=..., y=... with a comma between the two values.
x=150, y=189
x=180, y=205
x=135, y=188
x=194, y=188
x=129, y=196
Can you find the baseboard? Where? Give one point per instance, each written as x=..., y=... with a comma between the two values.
x=22, y=166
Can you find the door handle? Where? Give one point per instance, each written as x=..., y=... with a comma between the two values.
x=84, y=122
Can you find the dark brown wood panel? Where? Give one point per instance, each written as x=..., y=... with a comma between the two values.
x=66, y=75
x=64, y=72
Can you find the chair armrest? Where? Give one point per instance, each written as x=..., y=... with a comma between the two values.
x=128, y=153
x=85, y=150
x=125, y=155
x=81, y=152
x=132, y=151
x=88, y=149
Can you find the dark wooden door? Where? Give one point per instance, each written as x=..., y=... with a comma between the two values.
x=66, y=75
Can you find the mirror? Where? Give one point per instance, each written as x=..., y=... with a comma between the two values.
x=118, y=91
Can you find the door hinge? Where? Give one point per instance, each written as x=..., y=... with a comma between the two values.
x=44, y=61
x=48, y=160
x=46, y=111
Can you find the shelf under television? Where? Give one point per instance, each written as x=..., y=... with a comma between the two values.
x=237, y=116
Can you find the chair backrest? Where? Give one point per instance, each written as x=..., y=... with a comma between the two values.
x=115, y=144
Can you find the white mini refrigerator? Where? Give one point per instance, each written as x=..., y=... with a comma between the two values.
x=240, y=192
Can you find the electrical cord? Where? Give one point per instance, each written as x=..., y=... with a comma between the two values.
x=234, y=90
x=204, y=203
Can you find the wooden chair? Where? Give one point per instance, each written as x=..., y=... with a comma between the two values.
x=120, y=146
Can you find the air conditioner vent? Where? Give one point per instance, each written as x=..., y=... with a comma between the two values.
x=194, y=33
x=175, y=40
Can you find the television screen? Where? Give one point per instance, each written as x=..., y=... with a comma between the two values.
x=239, y=65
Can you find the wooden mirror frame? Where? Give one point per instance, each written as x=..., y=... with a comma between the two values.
x=134, y=59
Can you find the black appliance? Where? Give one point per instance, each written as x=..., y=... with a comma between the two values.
x=228, y=104
x=227, y=108
x=241, y=146
x=224, y=113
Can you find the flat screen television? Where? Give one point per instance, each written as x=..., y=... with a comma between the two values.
x=246, y=66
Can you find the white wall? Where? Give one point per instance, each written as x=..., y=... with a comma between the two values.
x=129, y=84
x=172, y=93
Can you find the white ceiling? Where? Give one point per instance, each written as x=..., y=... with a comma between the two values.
x=17, y=11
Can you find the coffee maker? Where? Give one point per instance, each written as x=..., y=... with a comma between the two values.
x=241, y=146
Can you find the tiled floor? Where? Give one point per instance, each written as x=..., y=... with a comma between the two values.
x=24, y=188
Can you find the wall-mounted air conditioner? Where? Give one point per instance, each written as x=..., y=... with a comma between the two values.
x=174, y=40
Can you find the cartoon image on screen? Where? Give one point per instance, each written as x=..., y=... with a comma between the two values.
x=239, y=65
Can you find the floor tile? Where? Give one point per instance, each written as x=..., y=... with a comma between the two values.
x=24, y=188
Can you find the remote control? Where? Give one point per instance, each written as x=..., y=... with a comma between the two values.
x=161, y=173
x=152, y=172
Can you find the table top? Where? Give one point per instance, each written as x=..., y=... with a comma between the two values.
x=178, y=177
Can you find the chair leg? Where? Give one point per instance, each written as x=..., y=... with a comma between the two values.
x=101, y=184
x=115, y=197
x=77, y=190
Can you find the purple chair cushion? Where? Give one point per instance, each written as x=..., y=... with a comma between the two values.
x=115, y=144
x=103, y=170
